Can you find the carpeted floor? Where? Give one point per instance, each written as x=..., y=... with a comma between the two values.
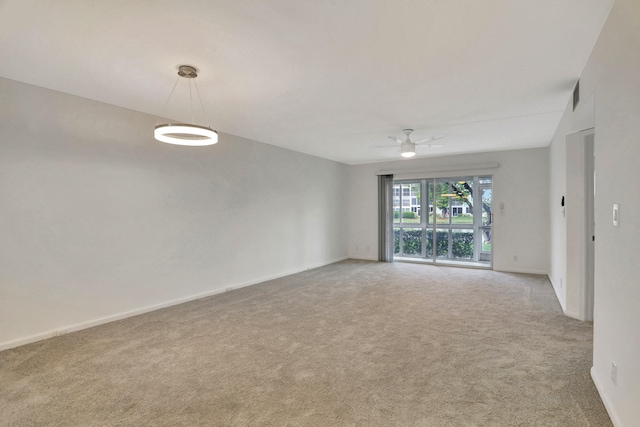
x=351, y=344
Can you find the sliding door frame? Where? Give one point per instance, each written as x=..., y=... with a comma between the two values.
x=428, y=220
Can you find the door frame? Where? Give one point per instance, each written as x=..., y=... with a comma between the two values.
x=580, y=224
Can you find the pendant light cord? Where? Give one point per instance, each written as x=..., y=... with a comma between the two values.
x=204, y=113
x=193, y=120
x=167, y=102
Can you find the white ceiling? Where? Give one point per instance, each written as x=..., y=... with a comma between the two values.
x=332, y=78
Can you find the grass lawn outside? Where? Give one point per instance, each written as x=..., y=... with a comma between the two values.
x=460, y=219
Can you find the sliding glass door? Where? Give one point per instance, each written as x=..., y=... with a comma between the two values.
x=443, y=219
x=484, y=185
x=408, y=219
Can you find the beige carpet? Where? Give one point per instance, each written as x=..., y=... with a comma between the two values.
x=351, y=344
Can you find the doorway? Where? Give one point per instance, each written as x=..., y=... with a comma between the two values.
x=580, y=224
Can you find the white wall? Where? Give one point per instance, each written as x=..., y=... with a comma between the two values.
x=98, y=220
x=557, y=222
x=612, y=77
x=567, y=274
x=520, y=183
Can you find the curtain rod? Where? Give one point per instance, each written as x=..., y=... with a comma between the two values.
x=444, y=168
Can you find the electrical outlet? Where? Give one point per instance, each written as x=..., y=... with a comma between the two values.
x=614, y=373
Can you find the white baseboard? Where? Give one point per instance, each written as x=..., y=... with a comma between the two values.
x=605, y=399
x=363, y=259
x=100, y=321
x=522, y=271
x=556, y=289
x=572, y=315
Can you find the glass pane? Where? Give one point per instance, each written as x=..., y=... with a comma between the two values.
x=412, y=241
x=396, y=203
x=486, y=239
x=486, y=206
x=443, y=202
x=429, y=203
x=442, y=244
x=410, y=201
x=462, y=244
x=461, y=196
x=429, y=244
x=396, y=241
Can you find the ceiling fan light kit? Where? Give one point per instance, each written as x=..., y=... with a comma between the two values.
x=407, y=149
x=184, y=133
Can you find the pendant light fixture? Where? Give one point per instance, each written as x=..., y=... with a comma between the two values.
x=184, y=133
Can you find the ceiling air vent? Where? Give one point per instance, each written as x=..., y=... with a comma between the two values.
x=576, y=95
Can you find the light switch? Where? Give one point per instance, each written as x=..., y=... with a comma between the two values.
x=616, y=215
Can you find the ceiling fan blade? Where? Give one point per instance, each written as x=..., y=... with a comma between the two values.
x=433, y=138
x=393, y=138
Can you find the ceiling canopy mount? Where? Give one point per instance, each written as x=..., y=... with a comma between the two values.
x=187, y=71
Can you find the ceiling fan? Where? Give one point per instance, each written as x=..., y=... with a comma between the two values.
x=408, y=147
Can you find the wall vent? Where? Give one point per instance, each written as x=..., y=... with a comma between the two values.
x=576, y=95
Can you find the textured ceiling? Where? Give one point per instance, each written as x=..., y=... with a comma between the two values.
x=331, y=78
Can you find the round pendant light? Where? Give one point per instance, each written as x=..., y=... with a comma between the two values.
x=185, y=133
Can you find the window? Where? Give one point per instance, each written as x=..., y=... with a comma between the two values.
x=458, y=226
